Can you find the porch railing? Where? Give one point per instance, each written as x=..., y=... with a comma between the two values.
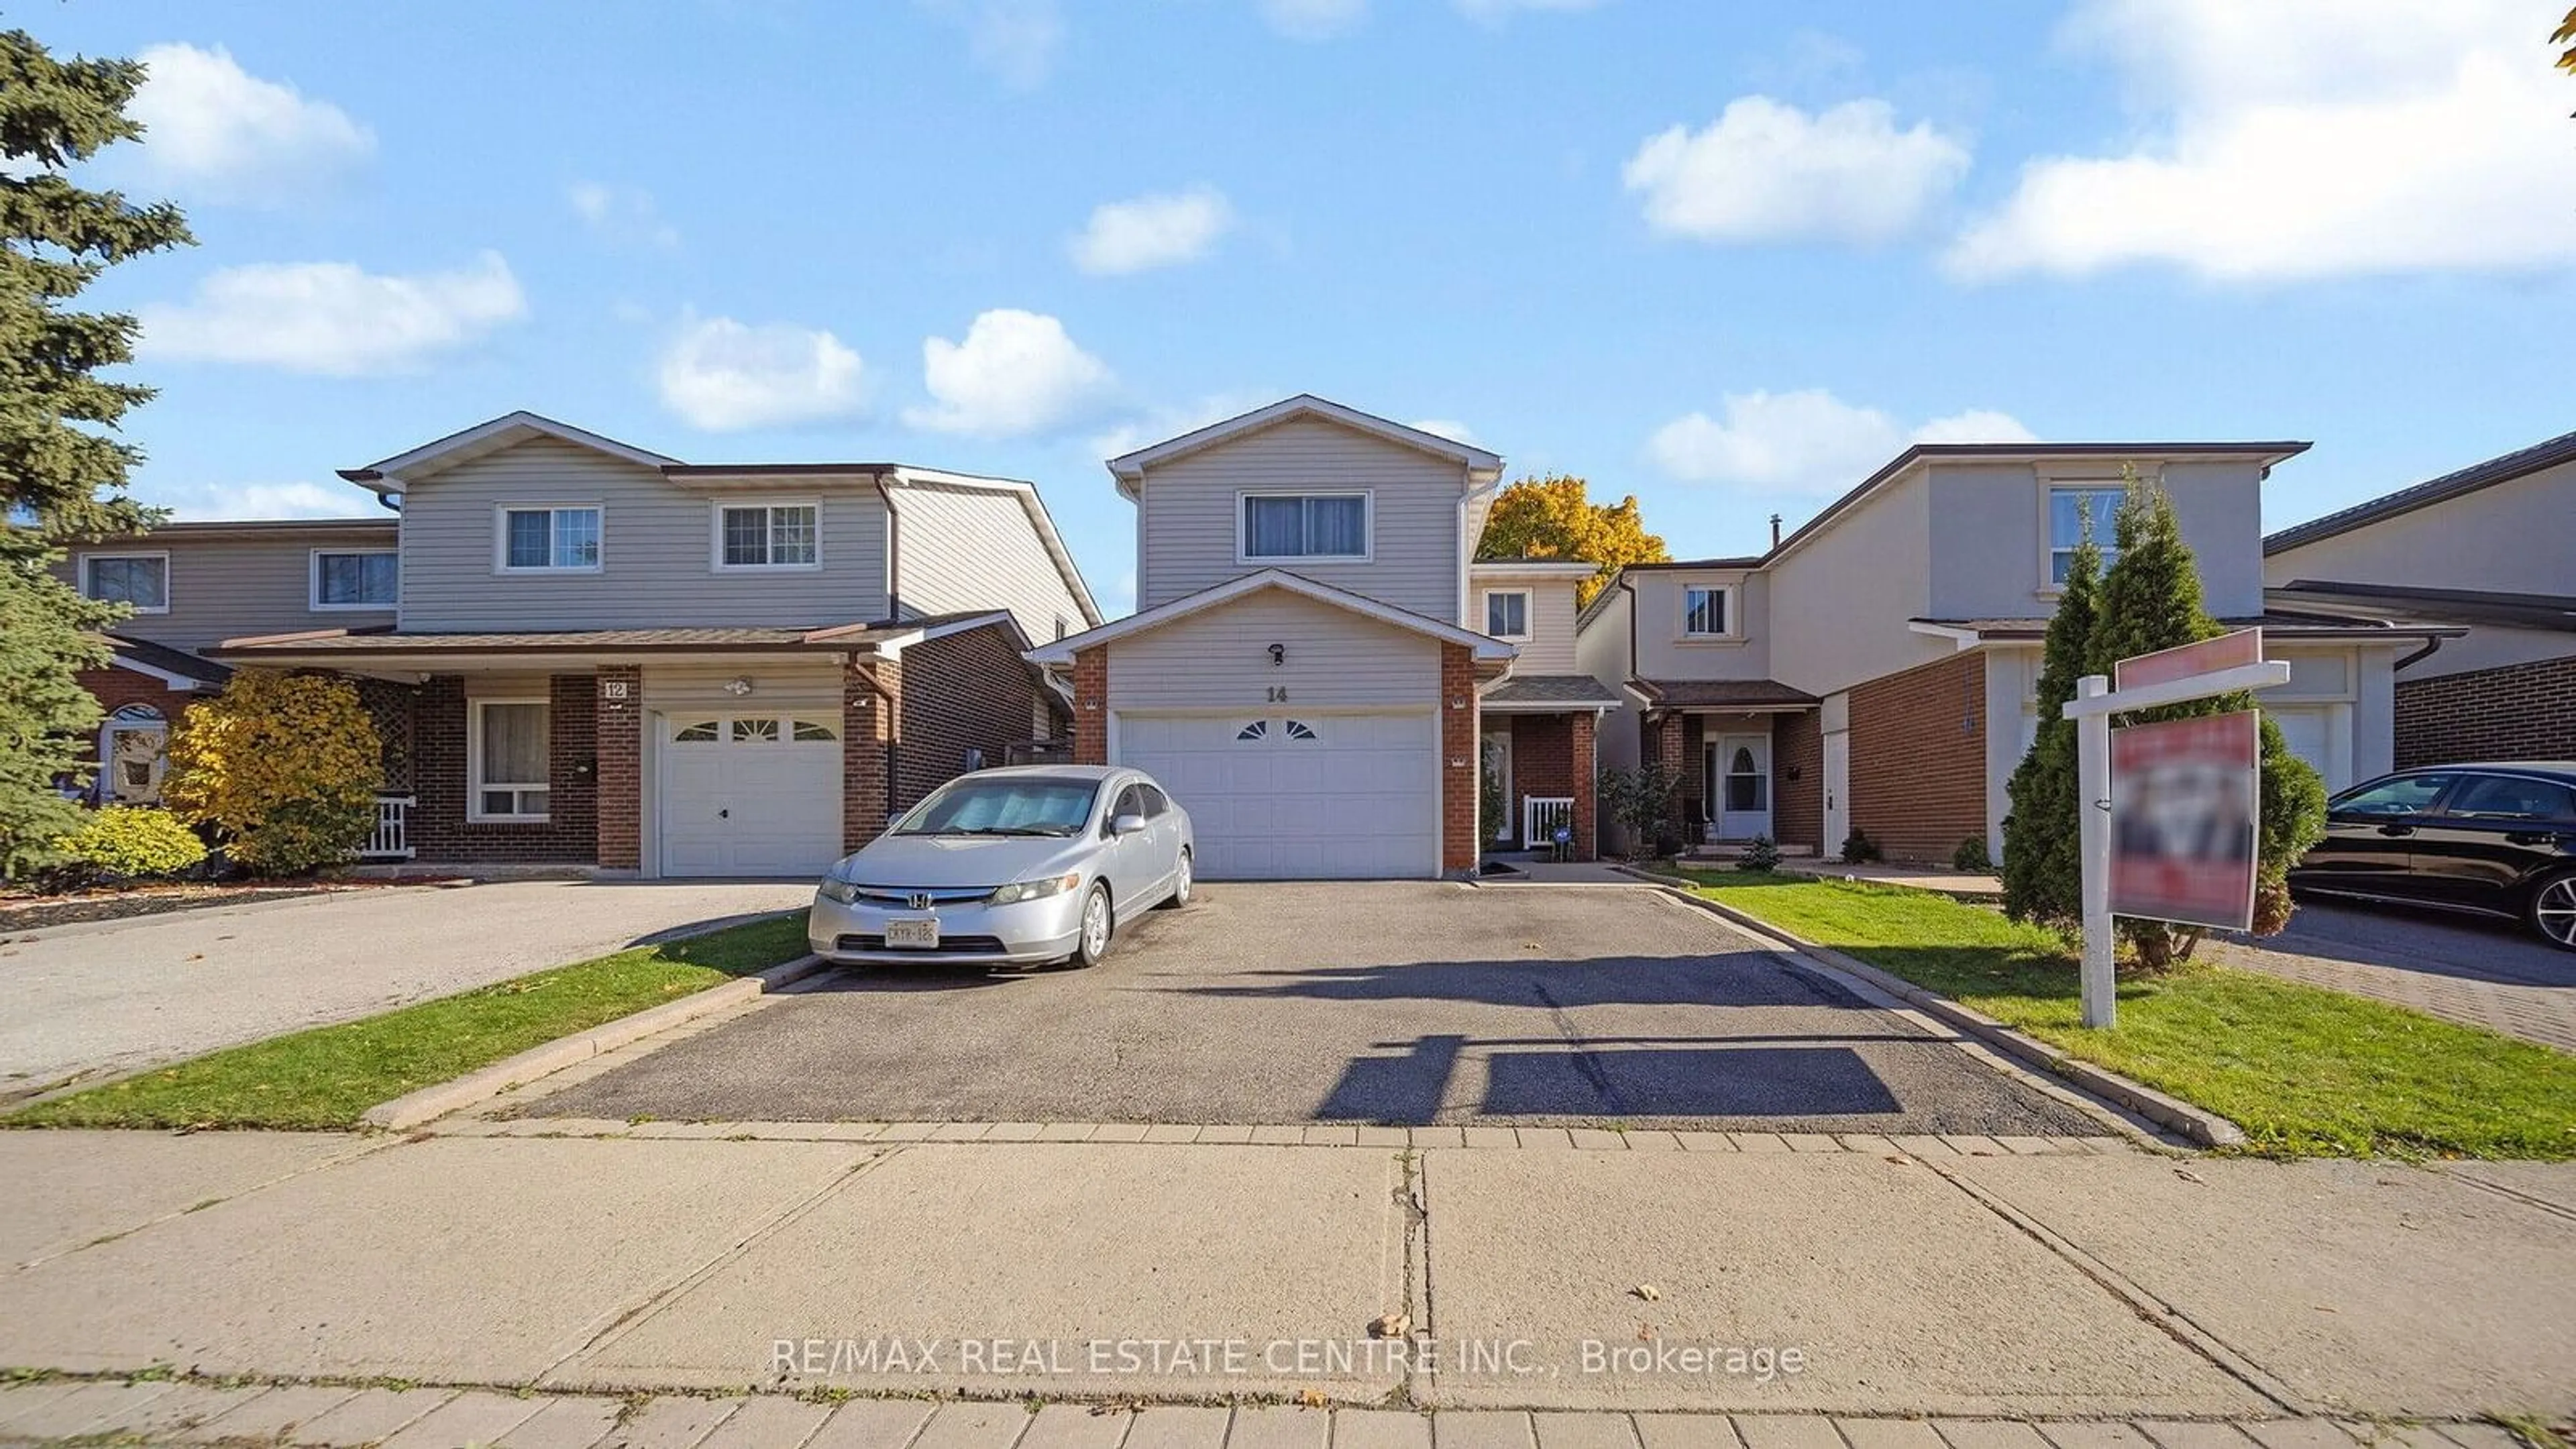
x=392, y=837
x=1542, y=816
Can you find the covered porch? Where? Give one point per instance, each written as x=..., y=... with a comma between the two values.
x=1749, y=755
x=1540, y=739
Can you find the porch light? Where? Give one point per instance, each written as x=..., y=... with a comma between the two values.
x=1278, y=655
x=738, y=686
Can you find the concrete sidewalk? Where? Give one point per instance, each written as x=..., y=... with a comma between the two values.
x=2080, y=1284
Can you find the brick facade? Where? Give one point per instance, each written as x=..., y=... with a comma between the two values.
x=1091, y=706
x=1460, y=754
x=569, y=834
x=871, y=717
x=1668, y=741
x=1798, y=780
x=966, y=691
x=619, y=745
x=1918, y=759
x=2512, y=712
x=1584, y=742
x=1553, y=758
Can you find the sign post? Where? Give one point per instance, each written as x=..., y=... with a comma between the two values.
x=2224, y=665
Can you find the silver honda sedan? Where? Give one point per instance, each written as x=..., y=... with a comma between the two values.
x=1008, y=868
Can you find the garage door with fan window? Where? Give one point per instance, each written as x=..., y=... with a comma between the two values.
x=1298, y=795
x=749, y=795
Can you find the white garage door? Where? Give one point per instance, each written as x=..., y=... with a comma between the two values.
x=750, y=794
x=1298, y=796
x=2311, y=735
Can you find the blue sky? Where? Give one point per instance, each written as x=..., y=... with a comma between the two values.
x=1726, y=257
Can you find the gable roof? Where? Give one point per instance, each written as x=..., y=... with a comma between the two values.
x=1129, y=468
x=390, y=474
x=1062, y=650
x=2503, y=468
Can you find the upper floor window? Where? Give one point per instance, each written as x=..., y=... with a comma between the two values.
x=561, y=539
x=140, y=579
x=355, y=578
x=2068, y=508
x=767, y=536
x=1507, y=613
x=1704, y=611
x=1307, y=526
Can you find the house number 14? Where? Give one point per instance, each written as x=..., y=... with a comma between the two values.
x=1278, y=694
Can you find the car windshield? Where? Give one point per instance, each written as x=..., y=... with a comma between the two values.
x=1023, y=805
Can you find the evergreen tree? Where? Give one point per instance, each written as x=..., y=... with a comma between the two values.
x=2042, y=868
x=62, y=477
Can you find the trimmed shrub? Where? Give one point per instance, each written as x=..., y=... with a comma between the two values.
x=1761, y=853
x=285, y=766
x=1859, y=849
x=127, y=842
x=1971, y=856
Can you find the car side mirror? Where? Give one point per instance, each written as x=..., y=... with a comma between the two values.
x=1126, y=824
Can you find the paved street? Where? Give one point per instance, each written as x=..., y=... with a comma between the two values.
x=2084, y=1284
x=1386, y=1002
x=2494, y=974
x=113, y=996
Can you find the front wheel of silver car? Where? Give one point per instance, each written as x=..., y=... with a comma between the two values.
x=1181, y=882
x=1097, y=928
x=2553, y=911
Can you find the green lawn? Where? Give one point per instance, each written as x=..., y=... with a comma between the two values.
x=2302, y=1070
x=326, y=1077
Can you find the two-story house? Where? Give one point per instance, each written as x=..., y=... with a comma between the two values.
x=2487, y=547
x=1875, y=670
x=580, y=652
x=1309, y=669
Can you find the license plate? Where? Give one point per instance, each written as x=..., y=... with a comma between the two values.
x=913, y=935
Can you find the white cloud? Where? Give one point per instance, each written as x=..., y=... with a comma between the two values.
x=1450, y=428
x=1016, y=373
x=2305, y=138
x=1163, y=424
x=1805, y=442
x=1495, y=11
x=1152, y=231
x=1015, y=41
x=223, y=502
x=218, y=131
x=721, y=375
x=333, y=318
x=1314, y=19
x=1767, y=171
x=621, y=214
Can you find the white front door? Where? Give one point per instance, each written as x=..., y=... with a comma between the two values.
x=1498, y=760
x=1302, y=795
x=1739, y=769
x=133, y=754
x=1837, y=792
x=749, y=794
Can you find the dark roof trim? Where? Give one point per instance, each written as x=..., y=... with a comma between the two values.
x=1680, y=565
x=2467, y=606
x=2503, y=468
x=777, y=470
x=1718, y=693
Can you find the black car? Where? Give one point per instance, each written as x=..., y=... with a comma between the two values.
x=2495, y=839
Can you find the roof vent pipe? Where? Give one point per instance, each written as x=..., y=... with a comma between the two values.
x=1775, y=530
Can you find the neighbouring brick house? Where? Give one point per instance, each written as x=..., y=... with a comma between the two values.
x=2486, y=549
x=582, y=653
x=1875, y=670
x=1317, y=672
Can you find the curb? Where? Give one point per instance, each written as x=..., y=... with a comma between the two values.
x=2204, y=1128
x=484, y=1083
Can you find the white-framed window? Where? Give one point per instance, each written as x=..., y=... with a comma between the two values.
x=1507, y=613
x=507, y=744
x=1310, y=526
x=139, y=579
x=355, y=578
x=2069, y=504
x=768, y=535
x=552, y=539
x=1706, y=610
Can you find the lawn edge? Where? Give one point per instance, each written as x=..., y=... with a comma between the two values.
x=486, y=1082
x=2197, y=1124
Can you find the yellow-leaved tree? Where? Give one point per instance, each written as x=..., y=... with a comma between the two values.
x=1555, y=518
x=285, y=766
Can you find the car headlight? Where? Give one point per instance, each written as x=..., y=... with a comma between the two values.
x=839, y=890
x=1030, y=890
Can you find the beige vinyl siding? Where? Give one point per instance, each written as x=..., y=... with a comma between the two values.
x=1220, y=659
x=966, y=548
x=656, y=550
x=777, y=685
x=1190, y=517
x=235, y=588
x=1549, y=649
x=1665, y=652
x=1838, y=605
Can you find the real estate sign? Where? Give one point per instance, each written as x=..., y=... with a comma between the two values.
x=2227, y=651
x=2184, y=802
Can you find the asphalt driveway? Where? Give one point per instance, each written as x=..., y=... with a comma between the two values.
x=108, y=997
x=1395, y=1003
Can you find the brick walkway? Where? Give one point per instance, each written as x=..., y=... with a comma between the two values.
x=432, y=1418
x=2470, y=973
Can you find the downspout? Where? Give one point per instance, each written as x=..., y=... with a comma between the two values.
x=894, y=548
x=2432, y=646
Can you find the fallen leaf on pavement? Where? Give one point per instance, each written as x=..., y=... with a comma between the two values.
x=1647, y=1291
x=2187, y=1175
x=1389, y=1325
